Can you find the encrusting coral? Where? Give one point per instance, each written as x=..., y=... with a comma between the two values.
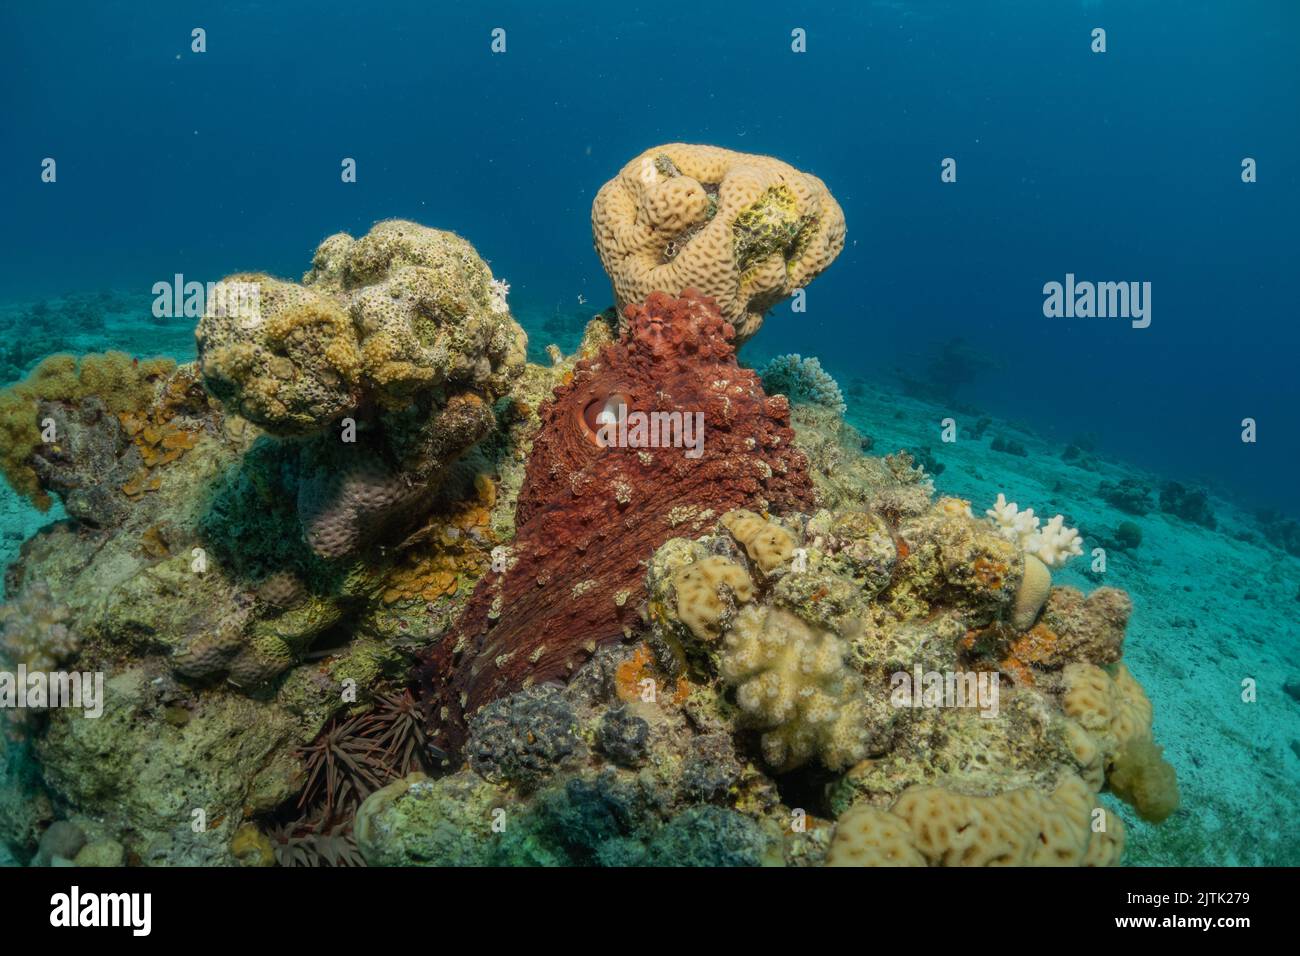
x=403, y=311
x=113, y=383
x=745, y=230
x=928, y=826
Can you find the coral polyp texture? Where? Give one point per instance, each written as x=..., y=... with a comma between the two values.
x=597, y=500
x=868, y=640
x=746, y=230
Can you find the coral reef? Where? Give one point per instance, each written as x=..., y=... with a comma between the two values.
x=503, y=622
x=590, y=511
x=36, y=632
x=1190, y=504
x=1050, y=546
x=112, y=384
x=405, y=332
x=679, y=795
x=814, y=654
x=745, y=230
x=399, y=313
x=1131, y=495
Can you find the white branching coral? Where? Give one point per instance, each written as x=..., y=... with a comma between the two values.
x=1054, y=544
x=1014, y=524
x=500, y=289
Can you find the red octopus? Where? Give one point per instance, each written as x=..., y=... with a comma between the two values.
x=596, y=503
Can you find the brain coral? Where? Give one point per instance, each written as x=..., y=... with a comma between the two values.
x=747, y=230
x=1115, y=712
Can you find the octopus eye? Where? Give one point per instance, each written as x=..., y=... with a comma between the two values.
x=601, y=412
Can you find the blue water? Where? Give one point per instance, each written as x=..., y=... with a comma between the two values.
x=1117, y=166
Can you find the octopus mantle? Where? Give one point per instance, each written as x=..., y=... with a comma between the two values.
x=590, y=513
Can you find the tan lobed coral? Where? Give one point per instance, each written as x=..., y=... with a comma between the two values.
x=792, y=682
x=707, y=592
x=768, y=544
x=746, y=230
x=1114, y=713
x=1025, y=827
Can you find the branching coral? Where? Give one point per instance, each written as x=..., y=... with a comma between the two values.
x=1053, y=544
x=803, y=380
x=746, y=230
x=35, y=631
x=1050, y=546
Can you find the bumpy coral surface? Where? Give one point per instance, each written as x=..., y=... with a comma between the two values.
x=69, y=400
x=747, y=230
x=591, y=511
x=935, y=827
x=886, y=644
x=403, y=333
x=791, y=681
x=402, y=311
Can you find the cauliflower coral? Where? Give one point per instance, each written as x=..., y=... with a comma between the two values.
x=1053, y=544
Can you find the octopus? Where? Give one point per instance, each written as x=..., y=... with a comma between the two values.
x=655, y=437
